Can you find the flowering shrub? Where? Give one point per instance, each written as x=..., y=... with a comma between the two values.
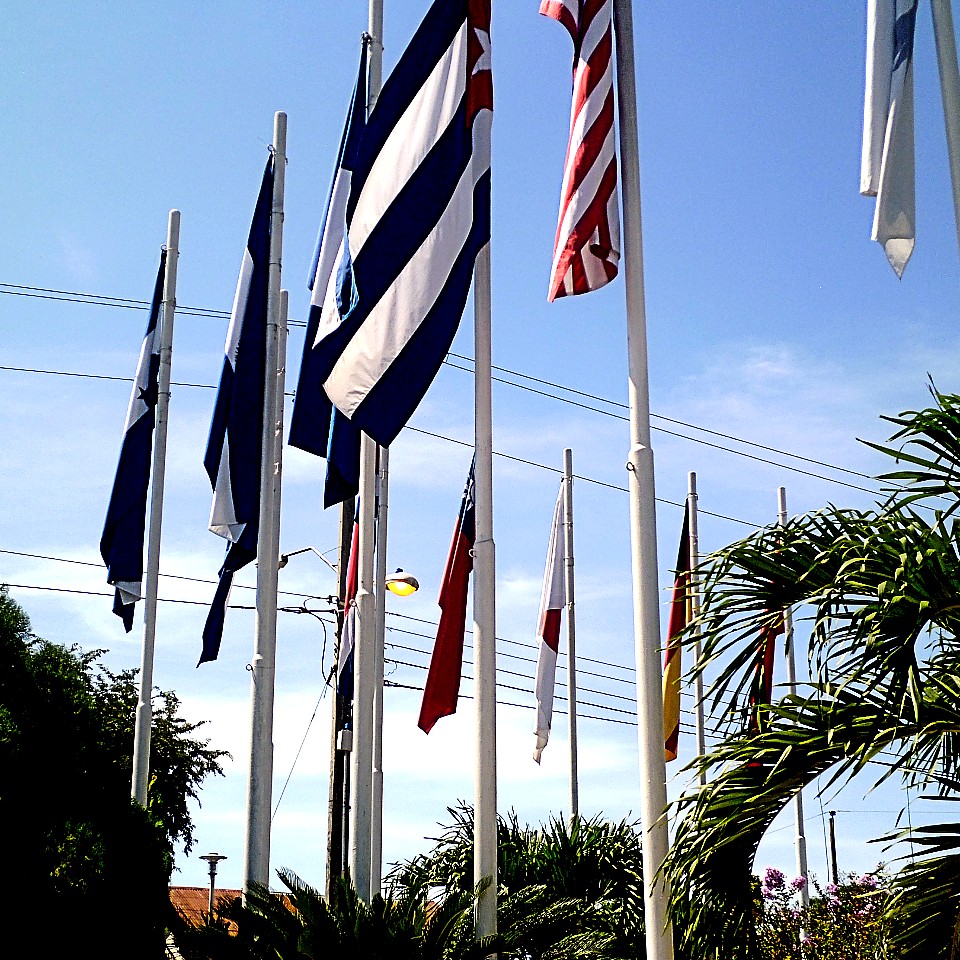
x=842, y=922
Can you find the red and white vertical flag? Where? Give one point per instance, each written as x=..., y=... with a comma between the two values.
x=587, y=247
x=348, y=633
x=442, y=689
x=672, y=672
x=552, y=601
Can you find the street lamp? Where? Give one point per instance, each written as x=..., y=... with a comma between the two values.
x=402, y=584
x=212, y=859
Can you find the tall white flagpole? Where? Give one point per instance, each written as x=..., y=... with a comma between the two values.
x=484, y=613
x=946, y=41
x=571, y=629
x=484, y=580
x=144, y=715
x=364, y=656
x=364, y=679
x=376, y=807
x=256, y=865
x=646, y=619
x=694, y=587
x=800, y=836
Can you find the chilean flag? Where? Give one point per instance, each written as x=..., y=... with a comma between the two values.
x=552, y=601
x=443, y=681
x=679, y=608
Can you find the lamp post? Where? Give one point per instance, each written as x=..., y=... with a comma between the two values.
x=401, y=584
x=212, y=860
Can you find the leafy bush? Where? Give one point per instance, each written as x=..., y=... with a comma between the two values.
x=842, y=922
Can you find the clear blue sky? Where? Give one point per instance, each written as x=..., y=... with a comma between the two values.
x=772, y=317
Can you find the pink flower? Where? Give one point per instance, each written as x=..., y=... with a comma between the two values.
x=774, y=879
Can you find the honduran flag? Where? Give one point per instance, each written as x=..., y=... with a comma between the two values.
x=417, y=216
x=887, y=169
x=587, y=247
x=348, y=633
x=316, y=426
x=553, y=598
x=234, y=449
x=679, y=618
x=121, y=544
x=761, y=687
x=442, y=689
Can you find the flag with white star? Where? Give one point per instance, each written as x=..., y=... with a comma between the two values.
x=121, y=544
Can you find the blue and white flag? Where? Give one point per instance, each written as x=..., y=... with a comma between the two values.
x=233, y=456
x=887, y=169
x=315, y=425
x=121, y=544
x=417, y=216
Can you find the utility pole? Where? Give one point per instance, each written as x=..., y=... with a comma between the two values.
x=338, y=801
x=834, y=876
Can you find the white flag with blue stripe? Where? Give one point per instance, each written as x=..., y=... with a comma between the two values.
x=417, y=216
x=233, y=455
x=316, y=426
x=887, y=169
x=121, y=544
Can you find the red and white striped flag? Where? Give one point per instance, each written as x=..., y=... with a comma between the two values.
x=552, y=602
x=588, y=233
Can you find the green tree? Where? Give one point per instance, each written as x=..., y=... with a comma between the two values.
x=84, y=864
x=565, y=889
x=880, y=590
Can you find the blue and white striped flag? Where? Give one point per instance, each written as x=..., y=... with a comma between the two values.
x=417, y=216
x=316, y=426
x=233, y=456
x=121, y=544
x=887, y=169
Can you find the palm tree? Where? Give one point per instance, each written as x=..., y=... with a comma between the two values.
x=303, y=925
x=881, y=592
x=568, y=889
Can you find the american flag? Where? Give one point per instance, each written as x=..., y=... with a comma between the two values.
x=588, y=233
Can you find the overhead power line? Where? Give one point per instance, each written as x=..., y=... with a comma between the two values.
x=428, y=433
x=570, y=392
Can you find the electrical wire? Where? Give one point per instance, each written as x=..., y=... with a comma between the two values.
x=128, y=303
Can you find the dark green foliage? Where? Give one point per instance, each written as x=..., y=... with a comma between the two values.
x=304, y=926
x=565, y=890
x=85, y=865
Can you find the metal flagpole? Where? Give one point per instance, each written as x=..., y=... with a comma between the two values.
x=256, y=865
x=376, y=807
x=643, y=523
x=945, y=37
x=144, y=716
x=364, y=674
x=694, y=587
x=571, y=628
x=801, y=839
x=484, y=614
x=484, y=583
x=361, y=760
